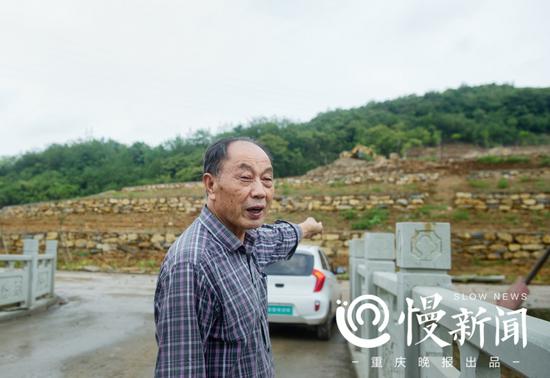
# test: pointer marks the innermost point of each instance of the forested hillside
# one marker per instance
(486, 115)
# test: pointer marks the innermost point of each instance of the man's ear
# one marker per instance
(209, 182)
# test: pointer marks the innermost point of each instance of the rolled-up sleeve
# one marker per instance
(277, 241)
(182, 321)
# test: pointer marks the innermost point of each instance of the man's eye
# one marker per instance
(246, 178)
(268, 179)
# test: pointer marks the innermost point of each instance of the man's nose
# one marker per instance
(258, 189)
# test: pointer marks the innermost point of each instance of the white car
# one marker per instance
(303, 290)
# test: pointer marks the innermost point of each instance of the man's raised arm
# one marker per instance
(279, 241)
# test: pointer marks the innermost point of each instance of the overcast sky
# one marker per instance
(144, 70)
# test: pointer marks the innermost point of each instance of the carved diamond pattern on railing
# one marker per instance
(426, 245)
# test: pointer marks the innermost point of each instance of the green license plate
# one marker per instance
(279, 310)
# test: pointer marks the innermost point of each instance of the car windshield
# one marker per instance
(299, 265)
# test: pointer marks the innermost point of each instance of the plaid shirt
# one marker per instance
(211, 300)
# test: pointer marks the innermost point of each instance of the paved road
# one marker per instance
(106, 330)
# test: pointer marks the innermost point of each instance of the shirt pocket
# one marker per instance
(241, 315)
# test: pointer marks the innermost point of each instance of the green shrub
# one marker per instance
(427, 210)
(512, 218)
(526, 178)
(285, 189)
(370, 218)
(478, 184)
(376, 189)
(512, 159)
(349, 214)
(542, 185)
(502, 183)
(147, 264)
(411, 187)
(337, 183)
(460, 215)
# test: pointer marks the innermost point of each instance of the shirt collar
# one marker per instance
(224, 235)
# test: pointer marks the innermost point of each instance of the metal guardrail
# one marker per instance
(403, 270)
(27, 277)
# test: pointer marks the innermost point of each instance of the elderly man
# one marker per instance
(211, 296)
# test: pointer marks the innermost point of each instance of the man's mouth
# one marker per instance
(255, 212)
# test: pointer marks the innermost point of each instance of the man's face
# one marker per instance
(241, 193)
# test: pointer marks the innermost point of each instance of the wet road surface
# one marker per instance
(298, 353)
(106, 329)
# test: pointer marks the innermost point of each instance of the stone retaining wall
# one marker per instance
(335, 243)
(501, 245)
(192, 205)
(482, 245)
(502, 201)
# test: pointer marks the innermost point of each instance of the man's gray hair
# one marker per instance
(216, 153)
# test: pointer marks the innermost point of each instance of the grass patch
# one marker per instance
(285, 189)
(148, 264)
(540, 217)
(349, 214)
(76, 264)
(524, 179)
(476, 261)
(544, 161)
(478, 184)
(432, 158)
(370, 218)
(503, 183)
(152, 193)
(512, 159)
(460, 215)
(337, 184)
(512, 219)
(427, 210)
(376, 189)
(338, 188)
(343, 276)
(411, 187)
(519, 184)
(542, 185)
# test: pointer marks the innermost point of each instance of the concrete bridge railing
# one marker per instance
(427, 319)
(27, 277)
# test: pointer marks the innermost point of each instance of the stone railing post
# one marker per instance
(356, 257)
(380, 257)
(51, 249)
(423, 252)
(30, 248)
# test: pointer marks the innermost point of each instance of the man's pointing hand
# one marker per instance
(311, 227)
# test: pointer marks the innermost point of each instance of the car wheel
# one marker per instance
(324, 330)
